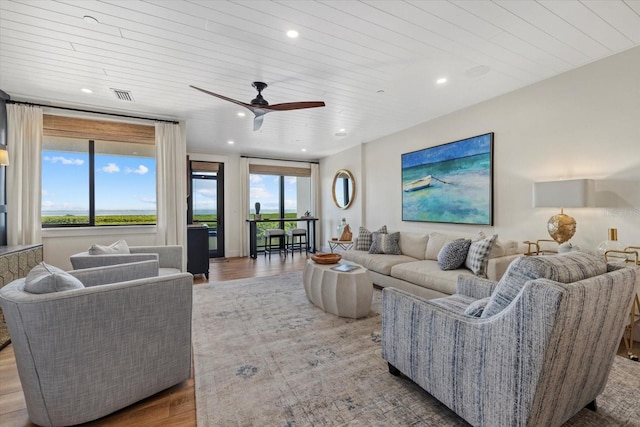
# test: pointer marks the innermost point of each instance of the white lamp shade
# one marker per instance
(572, 193)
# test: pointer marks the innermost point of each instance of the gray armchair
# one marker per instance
(85, 353)
(540, 352)
(169, 258)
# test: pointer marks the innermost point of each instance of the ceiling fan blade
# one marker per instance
(257, 122)
(294, 105)
(223, 97)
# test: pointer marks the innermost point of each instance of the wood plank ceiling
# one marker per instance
(374, 63)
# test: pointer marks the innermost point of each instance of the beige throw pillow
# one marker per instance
(119, 247)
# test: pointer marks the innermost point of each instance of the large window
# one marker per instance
(87, 182)
(285, 195)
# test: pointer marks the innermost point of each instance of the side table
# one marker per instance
(634, 315)
(342, 244)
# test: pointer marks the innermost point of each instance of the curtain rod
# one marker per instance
(9, 101)
(281, 160)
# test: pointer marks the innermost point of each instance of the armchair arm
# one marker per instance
(475, 287)
(84, 260)
(116, 273)
(169, 256)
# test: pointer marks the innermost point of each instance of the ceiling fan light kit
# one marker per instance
(259, 106)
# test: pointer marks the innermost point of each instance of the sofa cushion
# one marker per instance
(376, 262)
(413, 244)
(365, 238)
(564, 268)
(478, 255)
(427, 274)
(119, 247)
(435, 243)
(384, 243)
(44, 279)
(453, 254)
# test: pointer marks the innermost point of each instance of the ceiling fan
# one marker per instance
(259, 106)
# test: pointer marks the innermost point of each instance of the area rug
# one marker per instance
(265, 356)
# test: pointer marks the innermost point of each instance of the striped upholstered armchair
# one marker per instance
(530, 350)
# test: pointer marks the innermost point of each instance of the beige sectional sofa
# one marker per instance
(417, 271)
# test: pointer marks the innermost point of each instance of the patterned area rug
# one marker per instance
(265, 356)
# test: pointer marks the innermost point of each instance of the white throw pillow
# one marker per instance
(43, 279)
(119, 247)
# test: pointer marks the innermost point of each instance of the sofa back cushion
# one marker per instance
(435, 243)
(563, 268)
(413, 244)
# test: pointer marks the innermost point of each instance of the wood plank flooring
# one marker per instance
(174, 407)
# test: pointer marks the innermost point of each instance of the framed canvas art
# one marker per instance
(451, 183)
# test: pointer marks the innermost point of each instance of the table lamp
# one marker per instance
(573, 193)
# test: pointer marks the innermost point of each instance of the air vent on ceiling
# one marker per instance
(123, 95)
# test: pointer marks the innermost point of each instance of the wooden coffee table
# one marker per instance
(345, 294)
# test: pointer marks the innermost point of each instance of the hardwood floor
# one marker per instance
(174, 407)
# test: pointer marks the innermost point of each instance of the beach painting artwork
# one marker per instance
(450, 183)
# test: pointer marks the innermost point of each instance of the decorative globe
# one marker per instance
(561, 227)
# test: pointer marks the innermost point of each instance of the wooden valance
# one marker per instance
(73, 127)
(279, 170)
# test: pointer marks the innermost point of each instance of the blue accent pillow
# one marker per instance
(453, 254)
(477, 307)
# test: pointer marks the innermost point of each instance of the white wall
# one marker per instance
(234, 219)
(582, 124)
(331, 215)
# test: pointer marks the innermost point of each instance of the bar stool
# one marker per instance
(296, 238)
(269, 246)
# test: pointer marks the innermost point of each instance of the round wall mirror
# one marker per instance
(343, 189)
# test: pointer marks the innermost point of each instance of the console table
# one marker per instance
(15, 263)
(253, 231)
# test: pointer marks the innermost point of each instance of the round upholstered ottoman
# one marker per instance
(345, 294)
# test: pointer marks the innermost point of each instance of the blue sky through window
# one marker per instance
(122, 183)
(266, 190)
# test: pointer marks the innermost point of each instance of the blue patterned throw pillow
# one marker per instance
(384, 243)
(478, 255)
(365, 238)
(476, 308)
(453, 254)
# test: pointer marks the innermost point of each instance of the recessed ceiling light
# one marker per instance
(441, 80)
(292, 34)
(85, 90)
(230, 142)
(241, 114)
(304, 149)
(341, 132)
(90, 19)
(477, 71)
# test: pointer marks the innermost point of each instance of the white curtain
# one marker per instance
(24, 144)
(171, 188)
(315, 201)
(244, 197)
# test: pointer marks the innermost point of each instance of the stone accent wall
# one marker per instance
(15, 262)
